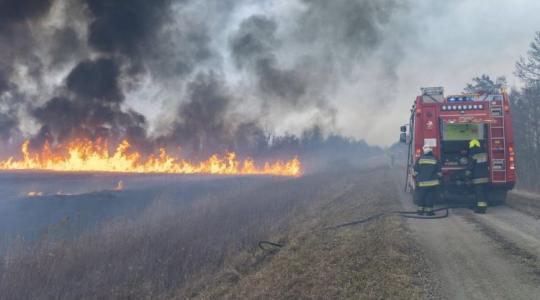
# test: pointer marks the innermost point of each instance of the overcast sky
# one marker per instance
(456, 41)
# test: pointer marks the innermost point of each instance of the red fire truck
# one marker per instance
(448, 124)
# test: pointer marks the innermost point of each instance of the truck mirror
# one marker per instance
(403, 138)
(403, 128)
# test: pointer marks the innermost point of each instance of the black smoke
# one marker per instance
(91, 110)
(8, 126)
(350, 28)
(202, 125)
(63, 119)
(66, 46)
(195, 52)
(92, 103)
(4, 84)
(16, 42)
(253, 47)
(12, 11)
(141, 35)
(301, 66)
(123, 27)
(96, 80)
(17, 19)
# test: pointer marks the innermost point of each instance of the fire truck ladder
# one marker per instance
(497, 143)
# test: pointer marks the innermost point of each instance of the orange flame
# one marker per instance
(34, 194)
(83, 155)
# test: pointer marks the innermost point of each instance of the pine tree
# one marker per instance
(484, 84)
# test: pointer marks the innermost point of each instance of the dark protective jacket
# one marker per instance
(427, 170)
(478, 165)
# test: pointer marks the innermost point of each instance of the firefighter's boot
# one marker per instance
(429, 211)
(481, 207)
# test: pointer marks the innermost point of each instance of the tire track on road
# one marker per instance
(465, 261)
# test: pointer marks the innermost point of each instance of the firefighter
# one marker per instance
(478, 168)
(427, 172)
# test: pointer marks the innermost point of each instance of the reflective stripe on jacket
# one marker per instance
(479, 165)
(428, 183)
(480, 180)
(427, 170)
(427, 161)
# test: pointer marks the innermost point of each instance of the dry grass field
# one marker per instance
(207, 249)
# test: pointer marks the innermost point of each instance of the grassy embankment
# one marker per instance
(208, 250)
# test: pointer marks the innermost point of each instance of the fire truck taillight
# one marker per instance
(512, 158)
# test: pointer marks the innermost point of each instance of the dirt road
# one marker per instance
(470, 256)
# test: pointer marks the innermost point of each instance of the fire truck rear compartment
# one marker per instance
(455, 140)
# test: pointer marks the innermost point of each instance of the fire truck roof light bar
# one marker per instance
(473, 98)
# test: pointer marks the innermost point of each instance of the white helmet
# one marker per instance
(427, 149)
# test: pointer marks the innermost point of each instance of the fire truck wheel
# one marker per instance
(496, 197)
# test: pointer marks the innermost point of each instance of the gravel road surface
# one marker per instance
(471, 256)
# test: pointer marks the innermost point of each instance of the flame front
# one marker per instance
(34, 194)
(84, 155)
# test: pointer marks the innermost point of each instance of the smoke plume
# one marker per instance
(205, 75)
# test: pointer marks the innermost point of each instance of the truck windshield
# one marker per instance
(455, 142)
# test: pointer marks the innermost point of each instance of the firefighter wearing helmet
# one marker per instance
(479, 172)
(427, 174)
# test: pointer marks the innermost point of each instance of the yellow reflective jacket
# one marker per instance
(427, 170)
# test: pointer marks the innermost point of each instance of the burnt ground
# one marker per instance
(196, 238)
(88, 200)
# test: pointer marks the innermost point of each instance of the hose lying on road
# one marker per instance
(404, 214)
(261, 243)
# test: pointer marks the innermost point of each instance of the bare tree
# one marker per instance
(526, 115)
(526, 109)
(528, 68)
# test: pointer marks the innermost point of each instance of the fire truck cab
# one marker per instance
(448, 123)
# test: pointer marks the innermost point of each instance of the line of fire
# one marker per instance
(84, 155)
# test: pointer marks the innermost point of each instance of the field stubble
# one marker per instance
(208, 249)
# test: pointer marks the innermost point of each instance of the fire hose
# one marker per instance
(403, 214)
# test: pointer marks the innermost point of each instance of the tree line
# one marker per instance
(525, 104)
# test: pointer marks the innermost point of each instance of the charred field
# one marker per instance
(32, 202)
(171, 236)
